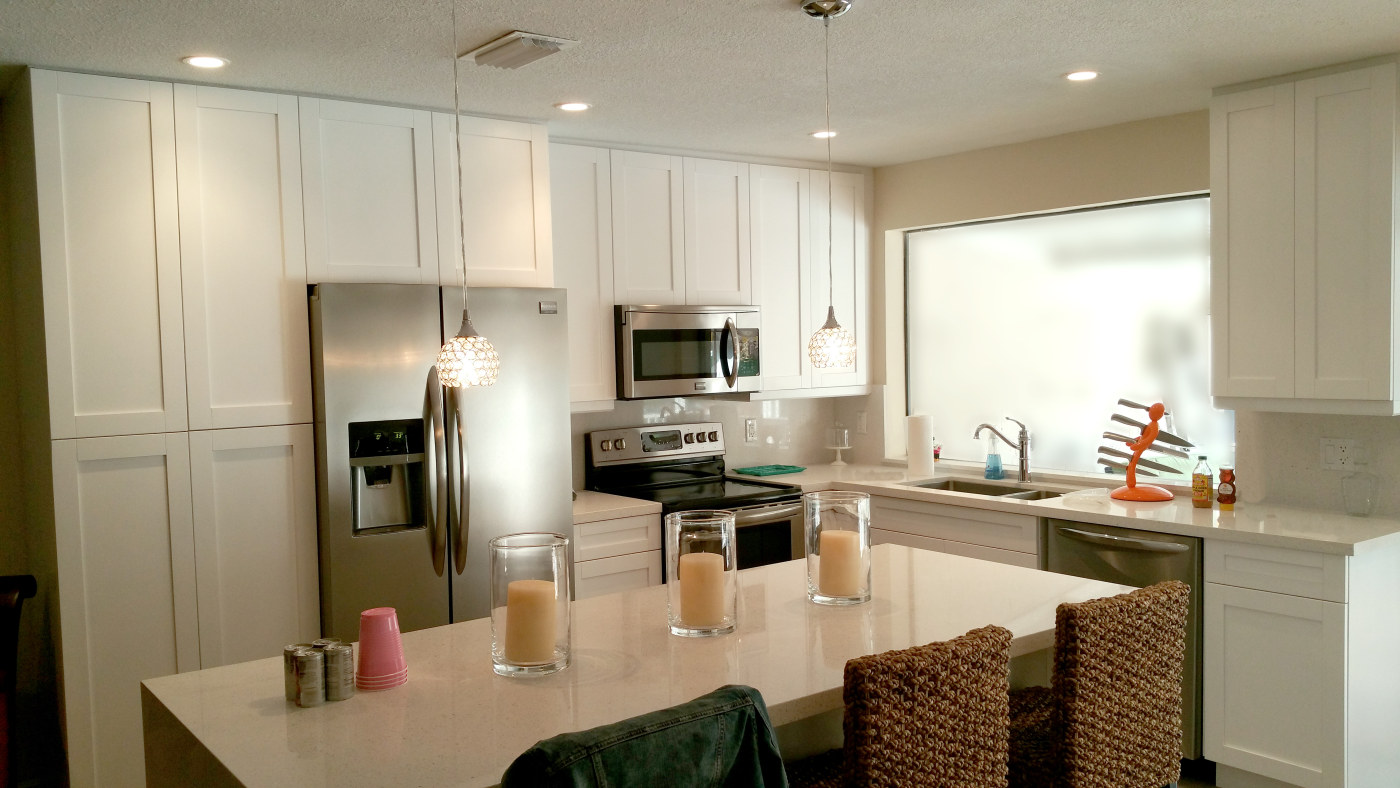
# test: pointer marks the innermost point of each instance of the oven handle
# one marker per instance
(763, 514)
(730, 364)
(1125, 542)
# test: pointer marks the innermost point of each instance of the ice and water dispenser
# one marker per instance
(386, 466)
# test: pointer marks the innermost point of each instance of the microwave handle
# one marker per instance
(730, 363)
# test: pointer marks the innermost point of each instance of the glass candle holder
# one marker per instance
(529, 603)
(837, 528)
(702, 573)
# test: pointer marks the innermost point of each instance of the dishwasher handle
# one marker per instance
(1123, 542)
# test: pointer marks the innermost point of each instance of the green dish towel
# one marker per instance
(769, 470)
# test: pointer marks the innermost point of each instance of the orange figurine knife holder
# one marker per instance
(1132, 491)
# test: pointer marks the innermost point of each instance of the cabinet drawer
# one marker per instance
(1018, 532)
(1295, 572)
(607, 538)
(1012, 557)
(619, 573)
(882, 536)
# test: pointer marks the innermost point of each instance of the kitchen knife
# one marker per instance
(1162, 435)
(1122, 467)
(1130, 404)
(1142, 463)
(1113, 436)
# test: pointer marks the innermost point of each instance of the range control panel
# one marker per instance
(662, 441)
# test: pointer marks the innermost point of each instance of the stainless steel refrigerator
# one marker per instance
(414, 479)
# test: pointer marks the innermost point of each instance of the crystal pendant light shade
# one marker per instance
(468, 359)
(832, 347)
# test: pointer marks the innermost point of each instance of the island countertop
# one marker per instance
(457, 723)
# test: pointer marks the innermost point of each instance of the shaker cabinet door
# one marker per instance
(367, 181)
(782, 273)
(581, 185)
(243, 258)
(648, 228)
(717, 252)
(842, 238)
(126, 567)
(110, 254)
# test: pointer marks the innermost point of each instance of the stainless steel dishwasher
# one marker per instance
(1139, 558)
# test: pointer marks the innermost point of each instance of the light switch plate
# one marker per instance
(750, 430)
(1340, 454)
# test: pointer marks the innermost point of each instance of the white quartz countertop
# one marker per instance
(456, 723)
(590, 507)
(1266, 524)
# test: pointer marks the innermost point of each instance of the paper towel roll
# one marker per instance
(920, 443)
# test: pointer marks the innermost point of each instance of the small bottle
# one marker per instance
(1202, 482)
(937, 449)
(1226, 497)
(993, 470)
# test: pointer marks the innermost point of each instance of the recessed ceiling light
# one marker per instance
(821, 135)
(205, 61)
(573, 106)
(1081, 76)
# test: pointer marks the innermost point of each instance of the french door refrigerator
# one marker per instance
(413, 479)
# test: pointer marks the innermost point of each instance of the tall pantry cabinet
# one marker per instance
(160, 296)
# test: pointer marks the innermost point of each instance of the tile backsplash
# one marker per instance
(790, 431)
(1278, 458)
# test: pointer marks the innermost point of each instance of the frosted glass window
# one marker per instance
(1051, 319)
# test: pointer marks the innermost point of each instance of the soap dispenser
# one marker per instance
(993, 470)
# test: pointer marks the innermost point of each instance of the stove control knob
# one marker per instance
(714, 436)
(699, 437)
(619, 444)
(690, 437)
(605, 445)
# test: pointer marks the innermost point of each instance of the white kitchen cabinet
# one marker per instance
(504, 203)
(962, 530)
(126, 568)
(242, 258)
(109, 250)
(618, 573)
(648, 228)
(718, 267)
(846, 285)
(617, 554)
(369, 193)
(254, 499)
(1303, 182)
(581, 193)
(780, 228)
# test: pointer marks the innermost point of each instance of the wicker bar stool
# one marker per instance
(934, 716)
(1112, 717)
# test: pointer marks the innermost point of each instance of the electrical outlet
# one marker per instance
(750, 430)
(862, 423)
(1340, 454)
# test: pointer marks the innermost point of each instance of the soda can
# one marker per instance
(289, 668)
(323, 643)
(340, 671)
(311, 678)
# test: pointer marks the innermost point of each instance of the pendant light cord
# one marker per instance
(457, 136)
(830, 275)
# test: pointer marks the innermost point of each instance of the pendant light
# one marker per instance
(831, 347)
(467, 359)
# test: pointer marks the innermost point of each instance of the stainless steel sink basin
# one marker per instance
(990, 489)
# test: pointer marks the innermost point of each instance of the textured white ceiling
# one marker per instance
(912, 78)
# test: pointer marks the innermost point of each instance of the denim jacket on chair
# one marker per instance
(723, 738)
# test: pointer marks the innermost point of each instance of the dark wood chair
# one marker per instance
(933, 716)
(14, 589)
(1112, 715)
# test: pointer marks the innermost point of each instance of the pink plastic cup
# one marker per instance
(381, 647)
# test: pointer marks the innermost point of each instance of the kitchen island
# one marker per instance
(457, 723)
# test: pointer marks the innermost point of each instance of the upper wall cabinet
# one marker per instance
(367, 179)
(242, 258)
(109, 248)
(845, 283)
(717, 267)
(1303, 250)
(504, 201)
(580, 182)
(779, 207)
(648, 228)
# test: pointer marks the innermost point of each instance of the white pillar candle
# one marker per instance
(839, 554)
(530, 606)
(702, 589)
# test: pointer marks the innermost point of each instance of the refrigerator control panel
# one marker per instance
(643, 444)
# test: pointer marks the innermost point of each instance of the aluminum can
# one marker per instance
(324, 643)
(340, 671)
(289, 668)
(311, 678)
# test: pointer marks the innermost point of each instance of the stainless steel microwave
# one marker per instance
(679, 351)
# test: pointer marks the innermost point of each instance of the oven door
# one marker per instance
(769, 534)
(686, 351)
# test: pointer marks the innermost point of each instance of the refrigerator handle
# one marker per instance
(435, 440)
(464, 497)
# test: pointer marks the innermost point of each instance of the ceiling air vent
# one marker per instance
(517, 49)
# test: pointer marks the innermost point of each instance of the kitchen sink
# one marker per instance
(989, 489)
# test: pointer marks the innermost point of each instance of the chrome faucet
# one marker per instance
(1022, 445)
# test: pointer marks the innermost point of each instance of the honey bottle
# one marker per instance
(1226, 498)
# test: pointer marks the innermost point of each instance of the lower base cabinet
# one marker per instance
(617, 554)
(619, 573)
(976, 533)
